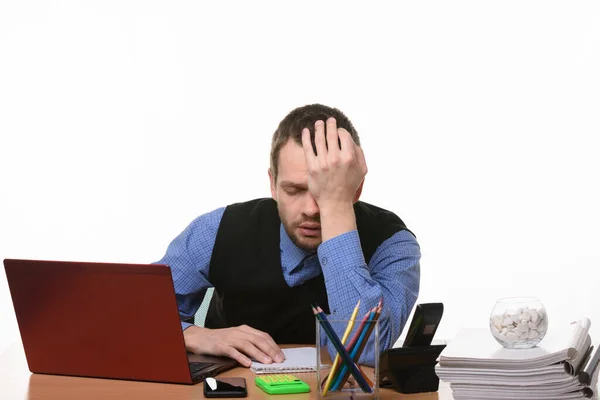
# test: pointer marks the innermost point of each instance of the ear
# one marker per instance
(358, 192)
(272, 180)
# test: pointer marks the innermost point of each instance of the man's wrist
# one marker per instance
(336, 219)
(189, 335)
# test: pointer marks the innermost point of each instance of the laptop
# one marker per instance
(104, 320)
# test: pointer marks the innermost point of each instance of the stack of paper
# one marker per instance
(563, 366)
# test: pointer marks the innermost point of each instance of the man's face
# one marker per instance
(298, 210)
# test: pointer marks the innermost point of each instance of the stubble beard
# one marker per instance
(308, 244)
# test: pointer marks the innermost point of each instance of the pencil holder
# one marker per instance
(335, 379)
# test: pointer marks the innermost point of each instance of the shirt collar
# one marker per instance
(291, 255)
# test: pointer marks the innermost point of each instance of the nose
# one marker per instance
(311, 209)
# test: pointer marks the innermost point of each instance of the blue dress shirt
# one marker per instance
(392, 273)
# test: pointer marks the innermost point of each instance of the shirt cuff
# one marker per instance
(185, 325)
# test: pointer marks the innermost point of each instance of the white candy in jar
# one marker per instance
(519, 326)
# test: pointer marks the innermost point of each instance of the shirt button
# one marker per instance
(324, 261)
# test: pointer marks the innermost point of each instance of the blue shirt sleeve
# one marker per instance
(393, 273)
(189, 255)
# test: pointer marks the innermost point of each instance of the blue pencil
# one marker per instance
(358, 347)
(341, 349)
(354, 350)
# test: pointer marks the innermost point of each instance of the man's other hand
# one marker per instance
(239, 343)
(334, 174)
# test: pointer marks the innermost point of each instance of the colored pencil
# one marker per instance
(336, 362)
(358, 348)
(350, 345)
(354, 339)
(335, 340)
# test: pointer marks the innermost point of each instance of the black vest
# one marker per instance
(245, 269)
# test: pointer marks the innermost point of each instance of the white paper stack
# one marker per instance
(563, 366)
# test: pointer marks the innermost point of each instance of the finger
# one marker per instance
(309, 152)
(242, 342)
(231, 352)
(348, 151)
(249, 348)
(320, 139)
(267, 345)
(264, 342)
(333, 147)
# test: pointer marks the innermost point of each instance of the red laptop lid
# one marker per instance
(99, 320)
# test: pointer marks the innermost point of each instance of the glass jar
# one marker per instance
(518, 322)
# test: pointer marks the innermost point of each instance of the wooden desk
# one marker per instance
(16, 382)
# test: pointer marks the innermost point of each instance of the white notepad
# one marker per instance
(300, 359)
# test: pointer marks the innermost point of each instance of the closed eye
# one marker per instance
(292, 188)
(294, 191)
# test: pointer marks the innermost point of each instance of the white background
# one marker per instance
(122, 121)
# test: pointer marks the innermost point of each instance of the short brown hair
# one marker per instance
(305, 117)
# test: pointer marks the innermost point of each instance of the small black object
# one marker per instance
(424, 324)
(225, 387)
(410, 369)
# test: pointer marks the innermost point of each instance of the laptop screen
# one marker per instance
(104, 320)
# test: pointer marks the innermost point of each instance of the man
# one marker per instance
(269, 259)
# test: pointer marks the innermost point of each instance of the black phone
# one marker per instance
(225, 387)
(425, 322)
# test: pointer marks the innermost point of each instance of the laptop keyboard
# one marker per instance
(200, 370)
(196, 367)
